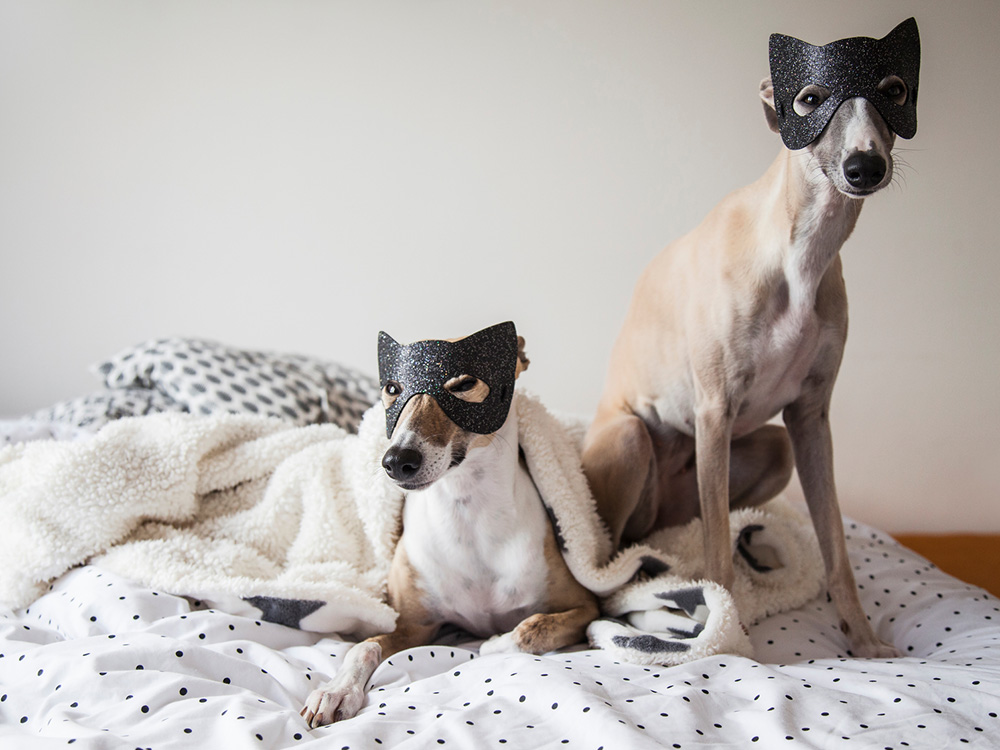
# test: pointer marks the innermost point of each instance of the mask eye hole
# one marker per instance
(390, 392)
(893, 88)
(809, 98)
(468, 388)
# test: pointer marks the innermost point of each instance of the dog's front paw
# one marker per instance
(500, 644)
(332, 703)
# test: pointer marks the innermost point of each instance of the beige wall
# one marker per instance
(296, 176)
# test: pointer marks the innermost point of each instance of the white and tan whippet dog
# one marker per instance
(742, 319)
(477, 549)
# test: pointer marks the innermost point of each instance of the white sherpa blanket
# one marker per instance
(297, 525)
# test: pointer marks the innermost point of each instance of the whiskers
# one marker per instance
(376, 473)
(901, 168)
(497, 441)
(815, 170)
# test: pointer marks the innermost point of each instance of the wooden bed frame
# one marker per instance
(975, 558)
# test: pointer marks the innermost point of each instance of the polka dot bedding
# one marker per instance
(99, 662)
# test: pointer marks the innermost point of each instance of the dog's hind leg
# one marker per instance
(760, 466)
(541, 633)
(620, 465)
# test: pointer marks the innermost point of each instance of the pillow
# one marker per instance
(80, 417)
(205, 377)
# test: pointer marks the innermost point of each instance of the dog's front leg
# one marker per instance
(342, 697)
(713, 435)
(809, 428)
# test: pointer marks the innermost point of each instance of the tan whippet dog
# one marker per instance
(743, 318)
(477, 550)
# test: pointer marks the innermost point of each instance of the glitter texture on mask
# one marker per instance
(425, 366)
(848, 68)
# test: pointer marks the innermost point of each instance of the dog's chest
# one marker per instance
(478, 555)
(780, 355)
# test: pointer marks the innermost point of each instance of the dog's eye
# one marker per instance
(465, 383)
(468, 388)
(892, 87)
(809, 98)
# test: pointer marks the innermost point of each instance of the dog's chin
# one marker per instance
(413, 486)
(419, 485)
(858, 194)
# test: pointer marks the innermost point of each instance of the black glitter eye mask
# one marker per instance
(425, 366)
(848, 68)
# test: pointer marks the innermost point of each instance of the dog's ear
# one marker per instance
(522, 359)
(767, 96)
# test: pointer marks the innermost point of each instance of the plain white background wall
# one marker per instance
(296, 176)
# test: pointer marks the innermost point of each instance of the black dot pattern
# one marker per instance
(205, 377)
(99, 661)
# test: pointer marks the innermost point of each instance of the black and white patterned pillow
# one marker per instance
(105, 406)
(205, 377)
(83, 416)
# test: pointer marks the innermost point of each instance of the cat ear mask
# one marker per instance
(425, 366)
(847, 68)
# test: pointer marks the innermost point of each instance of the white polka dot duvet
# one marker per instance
(100, 662)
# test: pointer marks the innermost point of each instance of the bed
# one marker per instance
(98, 660)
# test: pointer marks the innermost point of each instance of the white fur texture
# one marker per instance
(223, 508)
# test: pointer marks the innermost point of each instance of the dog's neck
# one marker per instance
(487, 476)
(473, 538)
(808, 221)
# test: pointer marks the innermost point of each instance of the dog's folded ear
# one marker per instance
(767, 96)
(522, 359)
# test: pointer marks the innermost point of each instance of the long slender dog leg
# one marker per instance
(342, 697)
(713, 432)
(812, 443)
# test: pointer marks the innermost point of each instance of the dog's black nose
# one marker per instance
(864, 170)
(402, 464)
